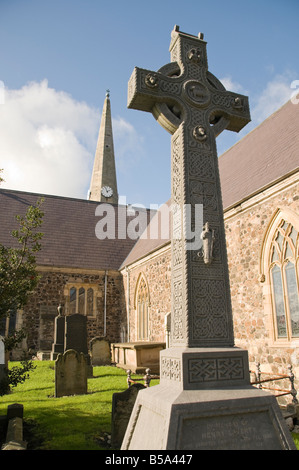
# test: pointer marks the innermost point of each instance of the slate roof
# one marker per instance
(262, 157)
(69, 231)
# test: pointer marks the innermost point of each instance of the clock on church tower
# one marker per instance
(107, 191)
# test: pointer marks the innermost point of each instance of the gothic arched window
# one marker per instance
(283, 275)
(142, 305)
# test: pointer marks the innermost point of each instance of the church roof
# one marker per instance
(69, 239)
(263, 157)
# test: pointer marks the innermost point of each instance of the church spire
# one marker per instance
(103, 185)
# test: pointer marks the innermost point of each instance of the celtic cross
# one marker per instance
(193, 105)
(204, 399)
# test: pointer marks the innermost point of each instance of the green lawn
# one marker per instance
(67, 423)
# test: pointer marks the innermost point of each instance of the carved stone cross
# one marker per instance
(193, 105)
(204, 399)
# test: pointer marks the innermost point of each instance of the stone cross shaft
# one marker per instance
(193, 105)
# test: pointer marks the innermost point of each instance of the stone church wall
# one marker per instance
(39, 314)
(253, 322)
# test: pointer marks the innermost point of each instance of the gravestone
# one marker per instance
(100, 351)
(204, 399)
(76, 333)
(122, 406)
(70, 374)
(76, 337)
(59, 335)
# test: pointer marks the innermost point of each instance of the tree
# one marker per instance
(18, 276)
(18, 279)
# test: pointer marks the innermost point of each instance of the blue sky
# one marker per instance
(59, 57)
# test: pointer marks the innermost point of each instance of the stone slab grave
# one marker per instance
(100, 351)
(138, 356)
(204, 399)
(70, 374)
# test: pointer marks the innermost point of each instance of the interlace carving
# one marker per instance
(212, 369)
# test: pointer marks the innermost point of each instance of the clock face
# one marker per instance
(107, 191)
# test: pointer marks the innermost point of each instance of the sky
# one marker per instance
(58, 58)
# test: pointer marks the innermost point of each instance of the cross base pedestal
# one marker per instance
(210, 407)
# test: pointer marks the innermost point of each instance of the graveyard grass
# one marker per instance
(71, 422)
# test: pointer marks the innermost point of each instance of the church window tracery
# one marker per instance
(81, 299)
(283, 270)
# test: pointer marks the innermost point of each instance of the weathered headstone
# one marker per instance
(70, 374)
(76, 333)
(122, 406)
(204, 399)
(100, 351)
(59, 335)
(76, 337)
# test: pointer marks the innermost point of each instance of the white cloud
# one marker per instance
(276, 93)
(230, 85)
(48, 140)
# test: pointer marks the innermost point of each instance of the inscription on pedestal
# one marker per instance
(230, 432)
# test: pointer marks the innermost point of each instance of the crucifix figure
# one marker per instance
(202, 401)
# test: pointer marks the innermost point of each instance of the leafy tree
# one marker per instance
(18, 279)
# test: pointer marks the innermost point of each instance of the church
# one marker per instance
(122, 283)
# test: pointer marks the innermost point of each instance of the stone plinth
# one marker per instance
(211, 419)
(205, 402)
(137, 356)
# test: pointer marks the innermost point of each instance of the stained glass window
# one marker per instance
(279, 302)
(292, 298)
(284, 280)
